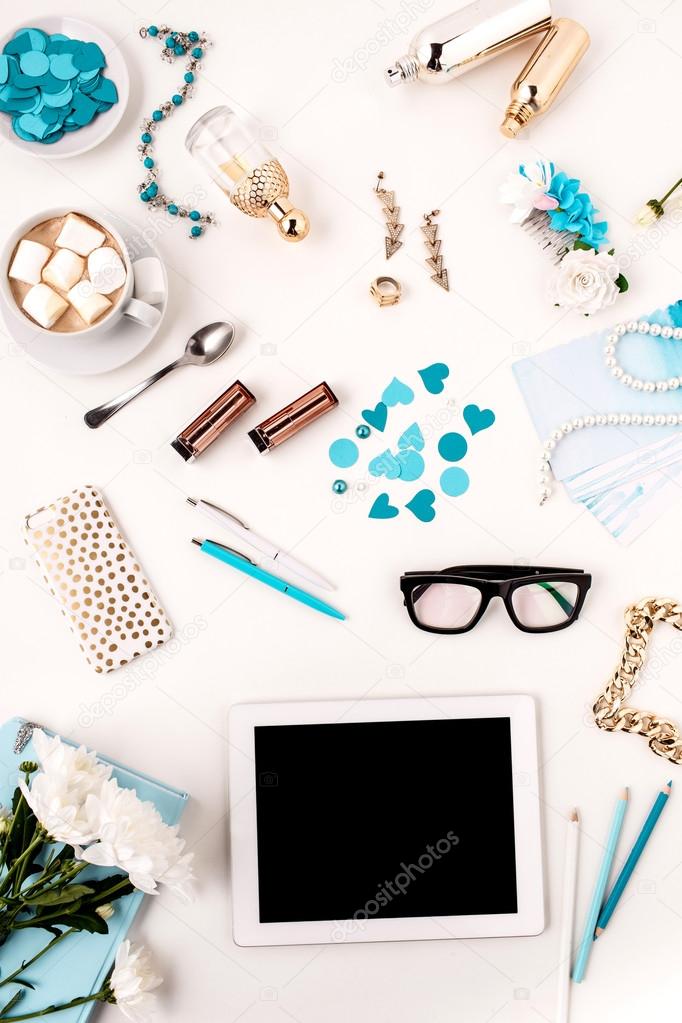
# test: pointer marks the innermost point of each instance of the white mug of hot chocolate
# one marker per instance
(106, 264)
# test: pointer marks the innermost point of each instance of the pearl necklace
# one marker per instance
(175, 44)
(616, 418)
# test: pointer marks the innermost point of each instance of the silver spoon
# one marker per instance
(203, 348)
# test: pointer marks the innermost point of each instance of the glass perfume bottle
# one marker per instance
(467, 37)
(546, 72)
(229, 148)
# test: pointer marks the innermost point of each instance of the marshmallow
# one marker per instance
(28, 262)
(64, 269)
(78, 235)
(106, 270)
(87, 302)
(44, 305)
(150, 286)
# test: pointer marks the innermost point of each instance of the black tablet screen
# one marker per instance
(385, 819)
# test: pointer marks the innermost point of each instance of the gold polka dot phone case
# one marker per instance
(96, 579)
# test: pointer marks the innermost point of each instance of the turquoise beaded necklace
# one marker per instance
(175, 44)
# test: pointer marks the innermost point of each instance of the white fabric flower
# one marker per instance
(5, 818)
(585, 281)
(526, 190)
(132, 981)
(59, 791)
(132, 836)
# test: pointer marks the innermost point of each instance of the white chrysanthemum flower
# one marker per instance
(59, 791)
(585, 281)
(5, 818)
(132, 836)
(132, 981)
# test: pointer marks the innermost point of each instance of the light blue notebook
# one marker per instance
(78, 965)
(571, 380)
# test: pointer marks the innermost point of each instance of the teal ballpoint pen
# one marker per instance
(243, 564)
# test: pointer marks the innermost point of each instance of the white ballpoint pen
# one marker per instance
(270, 550)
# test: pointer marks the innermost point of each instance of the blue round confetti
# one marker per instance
(452, 447)
(34, 63)
(454, 481)
(343, 453)
(63, 67)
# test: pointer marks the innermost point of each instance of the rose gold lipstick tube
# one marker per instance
(210, 423)
(293, 417)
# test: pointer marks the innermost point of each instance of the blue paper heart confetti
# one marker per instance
(382, 508)
(377, 416)
(412, 437)
(478, 419)
(51, 84)
(397, 393)
(433, 377)
(421, 505)
(385, 464)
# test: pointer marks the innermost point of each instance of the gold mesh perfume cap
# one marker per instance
(266, 191)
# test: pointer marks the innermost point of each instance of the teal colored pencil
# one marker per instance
(600, 887)
(631, 861)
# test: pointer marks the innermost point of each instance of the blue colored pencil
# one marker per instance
(631, 861)
(600, 887)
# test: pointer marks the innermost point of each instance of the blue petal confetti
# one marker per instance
(51, 84)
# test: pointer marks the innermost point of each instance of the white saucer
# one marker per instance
(73, 143)
(100, 353)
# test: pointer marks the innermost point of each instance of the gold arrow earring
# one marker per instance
(391, 212)
(435, 260)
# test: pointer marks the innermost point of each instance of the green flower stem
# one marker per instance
(103, 995)
(670, 191)
(8, 834)
(24, 966)
(21, 861)
(114, 888)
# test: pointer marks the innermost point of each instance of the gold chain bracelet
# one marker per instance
(611, 711)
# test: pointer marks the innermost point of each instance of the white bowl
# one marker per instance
(73, 143)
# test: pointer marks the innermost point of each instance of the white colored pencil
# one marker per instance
(568, 916)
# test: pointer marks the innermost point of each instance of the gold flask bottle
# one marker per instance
(544, 76)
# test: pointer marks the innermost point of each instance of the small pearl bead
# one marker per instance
(557, 435)
(612, 419)
(631, 326)
(648, 386)
(617, 372)
(601, 420)
(677, 334)
(543, 479)
(619, 329)
(610, 362)
(610, 350)
(549, 446)
(590, 420)
(624, 419)
(566, 427)
(671, 420)
(578, 423)
(612, 339)
(660, 420)
(637, 385)
(636, 419)
(661, 385)
(642, 327)
(545, 492)
(655, 329)
(666, 332)
(647, 420)
(673, 383)
(626, 379)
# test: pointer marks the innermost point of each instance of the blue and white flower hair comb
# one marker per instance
(550, 206)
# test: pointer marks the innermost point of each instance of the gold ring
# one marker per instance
(385, 290)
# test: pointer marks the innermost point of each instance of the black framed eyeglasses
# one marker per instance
(453, 600)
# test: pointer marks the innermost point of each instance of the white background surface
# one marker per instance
(303, 314)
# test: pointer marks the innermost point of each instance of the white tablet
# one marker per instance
(385, 820)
